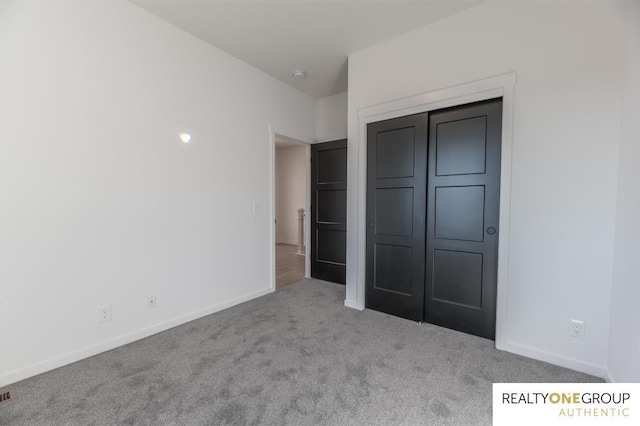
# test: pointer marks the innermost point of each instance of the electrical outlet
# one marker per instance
(104, 313)
(256, 207)
(576, 328)
(151, 301)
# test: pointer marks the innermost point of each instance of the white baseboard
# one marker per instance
(86, 352)
(353, 305)
(560, 360)
(608, 376)
(290, 242)
(80, 354)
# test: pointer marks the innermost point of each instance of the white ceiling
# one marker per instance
(279, 37)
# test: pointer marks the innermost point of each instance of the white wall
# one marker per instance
(565, 154)
(291, 184)
(100, 202)
(624, 346)
(331, 118)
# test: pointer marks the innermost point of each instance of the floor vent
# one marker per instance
(6, 396)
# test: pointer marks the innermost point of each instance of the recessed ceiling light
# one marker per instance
(185, 137)
(298, 75)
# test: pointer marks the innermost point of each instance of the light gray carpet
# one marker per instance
(295, 357)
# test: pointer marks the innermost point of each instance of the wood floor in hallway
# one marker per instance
(289, 265)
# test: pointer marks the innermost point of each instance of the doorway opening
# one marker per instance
(290, 209)
(479, 90)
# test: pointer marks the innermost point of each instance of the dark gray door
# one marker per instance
(462, 217)
(396, 191)
(329, 211)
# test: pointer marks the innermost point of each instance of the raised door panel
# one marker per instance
(462, 217)
(396, 190)
(329, 211)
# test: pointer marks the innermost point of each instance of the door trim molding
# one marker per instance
(305, 140)
(475, 91)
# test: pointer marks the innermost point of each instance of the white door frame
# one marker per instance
(493, 87)
(276, 131)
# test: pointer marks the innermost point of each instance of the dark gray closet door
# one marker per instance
(396, 190)
(329, 211)
(462, 220)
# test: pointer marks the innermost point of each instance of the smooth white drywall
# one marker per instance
(624, 343)
(331, 117)
(564, 162)
(291, 183)
(100, 201)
